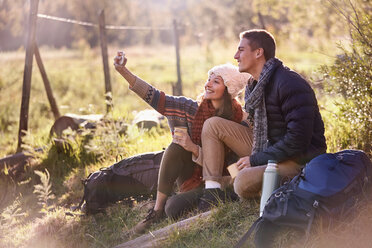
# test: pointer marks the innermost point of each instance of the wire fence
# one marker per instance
(32, 50)
(89, 24)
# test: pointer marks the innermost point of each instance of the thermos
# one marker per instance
(270, 183)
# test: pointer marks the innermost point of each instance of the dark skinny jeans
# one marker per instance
(177, 166)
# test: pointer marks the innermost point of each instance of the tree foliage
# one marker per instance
(201, 21)
(350, 78)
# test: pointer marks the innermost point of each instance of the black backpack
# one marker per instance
(131, 177)
(328, 187)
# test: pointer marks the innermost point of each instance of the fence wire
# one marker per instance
(89, 24)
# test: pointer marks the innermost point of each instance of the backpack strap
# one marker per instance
(84, 181)
(78, 207)
(312, 216)
(246, 236)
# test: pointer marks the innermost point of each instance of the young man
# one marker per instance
(284, 115)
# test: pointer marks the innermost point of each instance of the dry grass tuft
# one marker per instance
(354, 231)
(55, 226)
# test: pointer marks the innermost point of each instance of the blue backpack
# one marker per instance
(328, 186)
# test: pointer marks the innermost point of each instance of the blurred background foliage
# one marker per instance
(334, 36)
(297, 21)
(349, 81)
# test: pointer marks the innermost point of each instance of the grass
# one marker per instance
(77, 81)
(221, 229)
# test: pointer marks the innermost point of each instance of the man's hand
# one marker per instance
(243, 162)
(184, 140)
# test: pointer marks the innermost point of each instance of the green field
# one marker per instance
(77, 81)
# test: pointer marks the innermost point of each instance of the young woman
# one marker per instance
(182, 160)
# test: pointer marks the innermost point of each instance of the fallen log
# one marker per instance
(7, 189)
(154, 239)
(13, 160)
(74, 122)
(15, 163)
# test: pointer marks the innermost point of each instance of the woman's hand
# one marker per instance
(120, 62)
(184, 140)
(243, 162)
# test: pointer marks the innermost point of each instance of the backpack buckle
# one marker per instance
(366, 179)
(278, 194)
(340, 157)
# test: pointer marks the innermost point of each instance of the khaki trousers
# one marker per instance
(218, 132)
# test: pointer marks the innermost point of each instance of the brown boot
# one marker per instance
(152, 217)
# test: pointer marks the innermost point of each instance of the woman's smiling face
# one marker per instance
(214, 88)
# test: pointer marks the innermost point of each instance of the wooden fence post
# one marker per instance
(48, 89)
(27, 73)
(178, 87)
(103, 41)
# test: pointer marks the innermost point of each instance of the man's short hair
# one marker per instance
(260, 38)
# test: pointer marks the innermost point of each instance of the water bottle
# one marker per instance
(270, 183)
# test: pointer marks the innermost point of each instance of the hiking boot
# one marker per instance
(211, 198)
(152, 217)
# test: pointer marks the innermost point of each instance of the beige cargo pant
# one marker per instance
(218, 132)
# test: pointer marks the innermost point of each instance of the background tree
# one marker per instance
(350, 78)
(12, 23)
(291, 21)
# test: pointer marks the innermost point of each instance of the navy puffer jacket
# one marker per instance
(295, 126)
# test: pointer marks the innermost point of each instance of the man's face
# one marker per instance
(245, 56)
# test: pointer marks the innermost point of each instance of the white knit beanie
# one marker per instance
(234, 80)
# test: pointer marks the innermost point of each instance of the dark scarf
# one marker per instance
(205, 111)
(255, 105)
